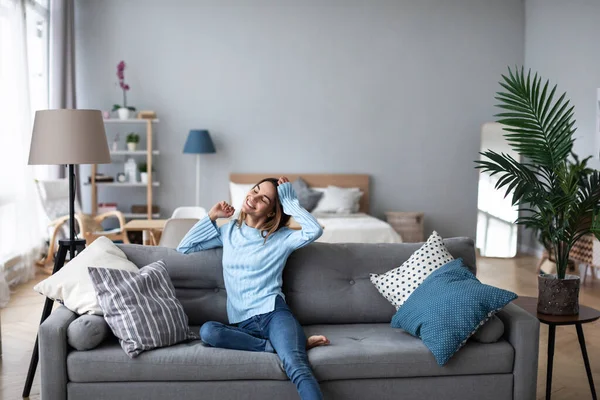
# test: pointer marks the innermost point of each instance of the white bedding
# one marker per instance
(356, 228)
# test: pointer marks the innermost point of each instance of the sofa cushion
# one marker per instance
(87, 332)
(72, 286)
(141, 308)
(363, 351)
(490, 332)
(448, 307)
(398, 284)
(356, 351)
(190, 361)
(324, 283)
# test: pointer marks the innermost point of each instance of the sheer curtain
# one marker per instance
(22, 229)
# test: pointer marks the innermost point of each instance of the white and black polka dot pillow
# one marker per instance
(398, 284)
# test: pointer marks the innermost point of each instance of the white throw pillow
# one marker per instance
(238, 192)
(398, 284)
(72, 285)
(338, 200)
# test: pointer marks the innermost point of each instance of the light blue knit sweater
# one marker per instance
(252, 269)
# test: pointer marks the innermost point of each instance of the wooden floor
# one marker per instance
(569, 381)
(21, 317)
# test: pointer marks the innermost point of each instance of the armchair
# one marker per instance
(54, 197)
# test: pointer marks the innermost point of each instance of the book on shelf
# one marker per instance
(106, 207)
(101, 178)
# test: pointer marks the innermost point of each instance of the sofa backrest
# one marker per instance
(324, 283)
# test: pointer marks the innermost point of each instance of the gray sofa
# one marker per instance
(328, 288)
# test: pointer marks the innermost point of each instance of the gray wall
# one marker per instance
(395, 89)
(561, 43)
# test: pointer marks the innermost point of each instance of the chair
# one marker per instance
(54, 196)
(189, 212)
(175, 230)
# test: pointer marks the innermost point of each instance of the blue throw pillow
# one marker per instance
(448, 308)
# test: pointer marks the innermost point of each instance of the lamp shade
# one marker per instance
(68, 137)
(199, 142)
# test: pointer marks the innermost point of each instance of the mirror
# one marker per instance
(496, 231)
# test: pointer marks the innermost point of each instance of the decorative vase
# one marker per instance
(123, 113)
(144, 177)
(558, 296)
(131, 169)
(131, 146)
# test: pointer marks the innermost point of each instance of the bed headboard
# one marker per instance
(360, 181)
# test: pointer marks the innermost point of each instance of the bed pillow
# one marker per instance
(238, 192)
(397, 284)
(339, 200)
(307, 197)
(449, 307)
(141, 309)
(72, 285)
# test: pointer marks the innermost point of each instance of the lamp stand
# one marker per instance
(71, 245)
(197, 180)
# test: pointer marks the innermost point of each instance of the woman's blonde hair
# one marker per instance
(274, 222)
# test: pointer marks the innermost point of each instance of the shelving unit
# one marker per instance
(149, 152)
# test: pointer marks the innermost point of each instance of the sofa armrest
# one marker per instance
(522, 331)
(53, 353)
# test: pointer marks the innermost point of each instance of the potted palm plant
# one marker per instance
(558, 192)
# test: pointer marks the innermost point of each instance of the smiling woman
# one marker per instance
(262, 207)
(255, 250)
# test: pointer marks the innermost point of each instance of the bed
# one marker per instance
(357, 227)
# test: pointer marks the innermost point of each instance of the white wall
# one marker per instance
(395, 89)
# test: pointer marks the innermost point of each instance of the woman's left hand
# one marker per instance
(282, 180)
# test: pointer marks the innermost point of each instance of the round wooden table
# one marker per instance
(586, 314)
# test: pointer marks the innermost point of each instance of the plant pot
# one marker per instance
(123, 113)
(144, 177)
(558, 296)
(131, 146)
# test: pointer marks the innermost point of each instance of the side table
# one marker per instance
(586, 314)
(409, 225)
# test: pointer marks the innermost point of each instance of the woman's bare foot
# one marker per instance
(316, 340)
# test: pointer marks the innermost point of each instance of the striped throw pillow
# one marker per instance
(141, 308)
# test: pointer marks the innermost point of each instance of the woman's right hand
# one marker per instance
(221, 210)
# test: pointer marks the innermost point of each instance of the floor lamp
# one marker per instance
(65, 137)
(198, 142)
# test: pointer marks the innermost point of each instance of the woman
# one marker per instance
(255, 249)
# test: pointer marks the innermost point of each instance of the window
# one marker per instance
(36, 16)
(24, 89)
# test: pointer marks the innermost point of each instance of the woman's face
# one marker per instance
(260, 200)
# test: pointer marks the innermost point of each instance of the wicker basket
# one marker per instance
(409, 225)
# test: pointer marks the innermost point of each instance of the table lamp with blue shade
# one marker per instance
(198, 142)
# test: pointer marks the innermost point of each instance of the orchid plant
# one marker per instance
(124, 87)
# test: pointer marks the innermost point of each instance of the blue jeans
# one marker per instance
(277, 331)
